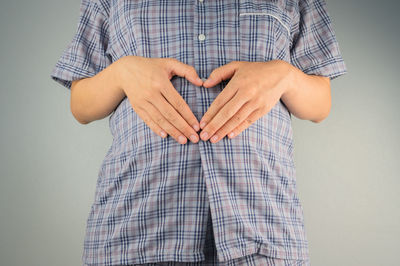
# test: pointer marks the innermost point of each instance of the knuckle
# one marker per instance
(187, 130)
(232, 112)
(225, 115)
(146, 120)
(172, 118)
(262, 110)
(177, 135)
(153, 128)
(159, 120)
(157, 60)
(252, 90)
(237, 118)
(179, 105)
(249, 121)
(175, 61)
(168, 114)
(148, 95)
(162, 89)
(234, 62)
(257, 101)
(211, 127)
(221, 131)
(171, 131)
(156, 84)
(237, 132)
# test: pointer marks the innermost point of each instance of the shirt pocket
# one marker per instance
(264, 31)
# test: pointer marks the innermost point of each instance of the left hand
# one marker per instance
(254, 88)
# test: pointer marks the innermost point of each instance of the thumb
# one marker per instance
(186, 71)
(221, 73)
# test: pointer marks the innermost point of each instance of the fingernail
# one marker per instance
(163, 134)
(182, 139)
(193, 138)
(196, 127)
(202, 124)
(231, 134)
(199, 80)
(204, 135)
(214, 138)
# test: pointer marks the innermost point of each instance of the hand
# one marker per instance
(254, 88)
(146, 83)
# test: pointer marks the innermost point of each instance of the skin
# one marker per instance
(146, 83)
(254, 88)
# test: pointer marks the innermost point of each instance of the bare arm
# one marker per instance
(96, 97)
(254, 89)
(307, 96)
(146, 82)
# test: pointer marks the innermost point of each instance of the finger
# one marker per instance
(244, 124)
(235, 121)
(151, 124)
(226, 113)
(181, 69)
(225, 96)
(180, 105)
(221, 73)
(162, 122)
(169, 112)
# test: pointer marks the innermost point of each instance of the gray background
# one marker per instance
(347, 166)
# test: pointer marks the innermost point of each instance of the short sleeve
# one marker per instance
(314, 48)
(86, 54)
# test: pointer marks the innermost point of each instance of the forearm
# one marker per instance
(96, 97)
(307, 96)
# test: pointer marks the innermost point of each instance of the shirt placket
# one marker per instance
(200, 47)
(201, 65)
(204, 51)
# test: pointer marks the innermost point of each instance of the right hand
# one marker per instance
(146, 83)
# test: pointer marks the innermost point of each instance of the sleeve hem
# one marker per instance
(66, 72)
(332, 68)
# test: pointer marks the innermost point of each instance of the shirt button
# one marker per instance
(202, 37)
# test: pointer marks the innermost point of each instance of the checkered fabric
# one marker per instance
(211, 258)
(154, 196)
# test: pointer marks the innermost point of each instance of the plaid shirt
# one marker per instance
(153, 195)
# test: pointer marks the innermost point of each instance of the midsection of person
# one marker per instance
(153, 194)
(262, 156)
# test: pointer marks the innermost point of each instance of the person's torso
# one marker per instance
(151, 189)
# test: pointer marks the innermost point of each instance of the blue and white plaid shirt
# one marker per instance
(153, 195)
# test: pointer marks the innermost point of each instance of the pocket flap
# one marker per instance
(266, 8)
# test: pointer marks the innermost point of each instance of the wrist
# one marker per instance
(119, 74)
(289, 77)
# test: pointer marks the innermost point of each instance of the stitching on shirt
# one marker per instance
(263, 13)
